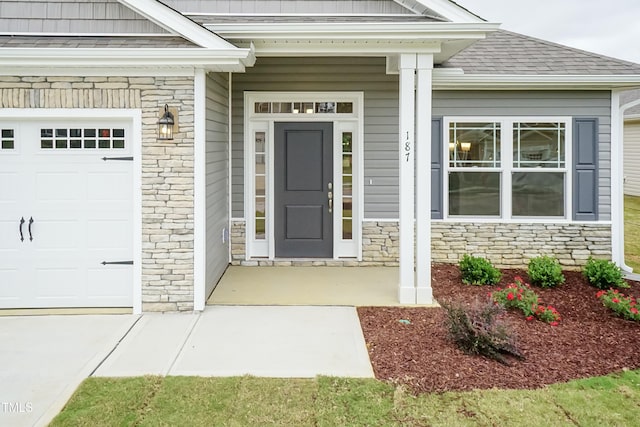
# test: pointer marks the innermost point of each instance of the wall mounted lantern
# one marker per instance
(165, 125)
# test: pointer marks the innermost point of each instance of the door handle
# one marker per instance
(20, 228)
(330, 196)
(30, 235)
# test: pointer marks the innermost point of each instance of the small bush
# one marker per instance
(622, 305)
(479, 330)
(545, 272)
(478, 271)
(603, 274)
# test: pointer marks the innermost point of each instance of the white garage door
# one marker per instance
(66, 209)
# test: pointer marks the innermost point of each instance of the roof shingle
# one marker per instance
(505, 52)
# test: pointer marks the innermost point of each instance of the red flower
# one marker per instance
(615, 300)
(530, 318)
(554, 323)
(510, 296)
(519, 297)
(599, 294)
(518, 279)
(634, 310)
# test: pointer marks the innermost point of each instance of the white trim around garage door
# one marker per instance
(134, 117)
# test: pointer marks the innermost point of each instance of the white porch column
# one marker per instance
(424, 294)
(406, 288)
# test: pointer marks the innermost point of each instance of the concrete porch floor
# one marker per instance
(335, 286)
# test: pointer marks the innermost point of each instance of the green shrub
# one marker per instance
(478, 271)
(545, 271)
(479, 330)
(603, 274)
(517, 295)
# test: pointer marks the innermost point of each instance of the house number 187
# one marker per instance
(407, 147)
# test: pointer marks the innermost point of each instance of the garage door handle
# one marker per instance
(30, 235)
(21, 236)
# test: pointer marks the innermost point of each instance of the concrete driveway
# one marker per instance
(45, 358)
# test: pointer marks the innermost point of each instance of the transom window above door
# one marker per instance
(304, 107)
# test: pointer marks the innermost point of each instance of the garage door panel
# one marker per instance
(56, 282)
(59, 187)
(57, 235)
(109, 282)
(107, 187)
(108, 234)
(10, 287)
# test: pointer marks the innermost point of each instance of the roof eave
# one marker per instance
(455, 79)
(235, 59)
(354, 31)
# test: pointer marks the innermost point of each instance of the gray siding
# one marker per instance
(288, 6)
(320, 74)
(632, 158)
(72, 16)
(381, 117)
(588, 104)
(217, 178)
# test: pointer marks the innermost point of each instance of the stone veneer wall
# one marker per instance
(167, 168)
(505, 245)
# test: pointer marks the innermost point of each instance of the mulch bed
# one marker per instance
(589, 341)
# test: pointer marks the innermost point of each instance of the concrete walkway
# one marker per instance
(45, 358)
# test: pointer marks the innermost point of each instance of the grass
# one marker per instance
(324, 401)
(632, 232)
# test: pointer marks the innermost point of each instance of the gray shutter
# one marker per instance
(436, 168)
(585, 169)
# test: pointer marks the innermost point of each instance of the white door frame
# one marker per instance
(133, 116)
(264, 123)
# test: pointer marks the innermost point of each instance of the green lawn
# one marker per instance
(324, 401)
(632, 232)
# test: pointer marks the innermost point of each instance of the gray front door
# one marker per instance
(303, 179)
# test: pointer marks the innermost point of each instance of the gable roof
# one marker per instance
(505, 52)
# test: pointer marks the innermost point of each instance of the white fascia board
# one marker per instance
(455, 79)
(343, 48)
(176, 23)
(115, 58)
(355, 31)
(448, 9)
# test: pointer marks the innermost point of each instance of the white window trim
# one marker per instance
(343, 122)
(507, 168)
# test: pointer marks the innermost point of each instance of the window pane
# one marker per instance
(347, 142)
(474, 145)
(345, 107)
(260, 137)
(90, 143)
(347, 164)
(118, 143)
(260, 187)
(538, 145)
(89, 133)
(325, 107)
(263, 107)
(7, 145)
(76, 143)
(61, 143)
(474, 193)
(104, 143)
(538, 194)
(260, 234)
(282, 107)
(7, 133)
(46, 143)
(347, 229)
(118, 133)
(75, 133)
(61, 133)
(46, 133)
